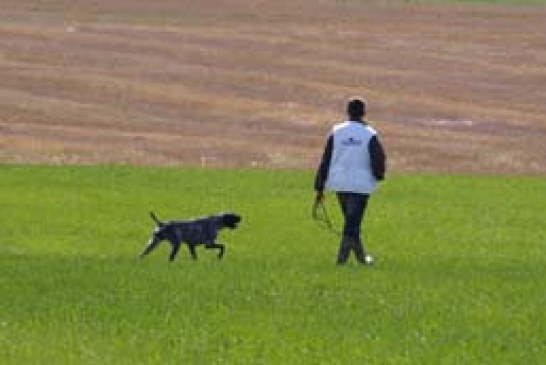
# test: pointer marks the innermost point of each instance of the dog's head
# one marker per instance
(230, 220)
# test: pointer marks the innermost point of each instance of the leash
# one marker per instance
(321, 216)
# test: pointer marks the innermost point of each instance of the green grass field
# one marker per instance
(459, 276)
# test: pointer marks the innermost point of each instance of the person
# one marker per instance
(352, 164)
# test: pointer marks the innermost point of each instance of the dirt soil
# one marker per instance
(255, 83)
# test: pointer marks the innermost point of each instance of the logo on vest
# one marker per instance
(351, 141)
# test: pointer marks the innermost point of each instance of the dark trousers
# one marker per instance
(353, 207)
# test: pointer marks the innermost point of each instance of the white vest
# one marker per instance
(350, 165)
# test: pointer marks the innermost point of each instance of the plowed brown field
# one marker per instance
(249, 83)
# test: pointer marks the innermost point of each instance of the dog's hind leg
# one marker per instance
(218, 246)
(150, 247)
(174, 251)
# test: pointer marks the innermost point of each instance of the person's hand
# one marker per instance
(319, 197)
(318, 200)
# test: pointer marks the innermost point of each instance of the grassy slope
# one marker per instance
(168, 82)
(499, 2)
(459, 276)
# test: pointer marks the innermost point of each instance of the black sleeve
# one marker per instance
(377, 156)
(322, 171)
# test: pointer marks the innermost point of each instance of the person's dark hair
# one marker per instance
(356, 108)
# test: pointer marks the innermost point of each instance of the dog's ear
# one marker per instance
(157, 221)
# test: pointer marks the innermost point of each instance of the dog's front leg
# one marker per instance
(193, 254)
(218, 246)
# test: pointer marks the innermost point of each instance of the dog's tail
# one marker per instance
(157, 221)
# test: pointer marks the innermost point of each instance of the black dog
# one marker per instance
(191, 232)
